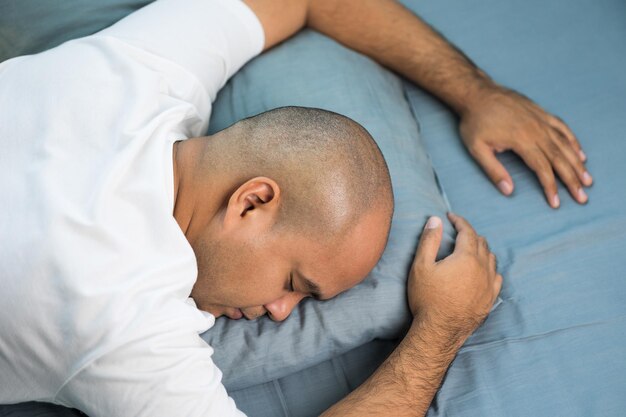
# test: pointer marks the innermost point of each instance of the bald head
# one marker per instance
(278, 204)
(328, 167)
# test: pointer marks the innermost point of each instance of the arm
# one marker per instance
(385, 31)
(405, 384)
(449, 299)
(493, 118)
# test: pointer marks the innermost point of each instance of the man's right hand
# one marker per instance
(449, 299)
(456, 293)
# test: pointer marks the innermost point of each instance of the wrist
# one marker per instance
(477, 92)
(442, 333)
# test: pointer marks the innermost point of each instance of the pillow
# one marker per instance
(314, 71)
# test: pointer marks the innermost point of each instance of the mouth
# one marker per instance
(234, 313)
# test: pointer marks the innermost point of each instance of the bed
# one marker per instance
(554, 343)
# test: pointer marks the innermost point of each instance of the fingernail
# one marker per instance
(505, 187)
(582, 155)
(433, 223)
(582, 197)
(555, 201)
(587, 178)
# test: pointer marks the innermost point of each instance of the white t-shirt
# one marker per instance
(95, 273)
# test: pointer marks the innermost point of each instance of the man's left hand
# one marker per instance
(501, 119)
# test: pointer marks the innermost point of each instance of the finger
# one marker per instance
(493, 262)
(483, 245)
(538, 162)
(429, 241)
(466, 238)
(568, 151)
(566, 172)
(483, 251)
(493, 168)
(560, 125)
(497, 286)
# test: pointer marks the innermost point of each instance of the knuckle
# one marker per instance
(553, 148)
(560, 123)
(573, 181)
(558, 161)
(548, 181)
(493, 264)
(419, 267)
(538, 162)
(481, 265)
(545, 173)
(545, 168)
(469, 228)
(468, 231)
(569, 175)
(472, 262)
(554, 118)
(572, 159)
(473, 150)
(566, 171)
(579, 166)
(523, 148)
(561, 138)
(498, 281)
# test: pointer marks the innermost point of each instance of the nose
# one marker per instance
(280, 309)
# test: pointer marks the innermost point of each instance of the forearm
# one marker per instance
(392, 35)
(405, 384)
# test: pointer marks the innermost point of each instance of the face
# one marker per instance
(247, 270)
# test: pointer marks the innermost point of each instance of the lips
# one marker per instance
(234, 314)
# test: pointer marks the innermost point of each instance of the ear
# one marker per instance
(257, 198)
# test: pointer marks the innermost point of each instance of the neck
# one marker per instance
(183, 176)
(196, 187)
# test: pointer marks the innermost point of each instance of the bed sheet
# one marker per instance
(555, 346)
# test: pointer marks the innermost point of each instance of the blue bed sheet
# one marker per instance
(556, 345)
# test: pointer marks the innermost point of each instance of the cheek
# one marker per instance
(241, 275)
(218, 271)
(260, 283)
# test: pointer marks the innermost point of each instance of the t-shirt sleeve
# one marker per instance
(164, 369)
(212, 39)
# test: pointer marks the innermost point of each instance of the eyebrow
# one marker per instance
(311, 287)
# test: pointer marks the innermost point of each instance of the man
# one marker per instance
(111, 220)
